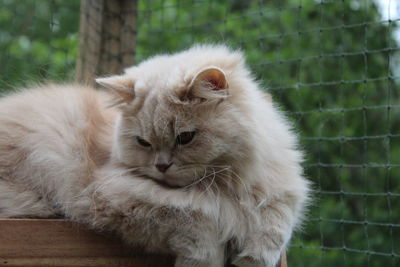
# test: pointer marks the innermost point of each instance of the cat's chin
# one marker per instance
(169, 183)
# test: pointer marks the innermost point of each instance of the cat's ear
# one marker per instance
(213, 78)
(209, 84)
(122, 86)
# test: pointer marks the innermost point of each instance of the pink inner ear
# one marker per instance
(213, 78)
(216, 81)
(217, 84)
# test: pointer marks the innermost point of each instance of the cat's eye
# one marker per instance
(185, 137)
(142, 142)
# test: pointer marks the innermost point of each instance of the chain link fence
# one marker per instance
(332, 65)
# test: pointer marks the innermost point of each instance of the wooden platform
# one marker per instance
(39, 242)
(58, 243)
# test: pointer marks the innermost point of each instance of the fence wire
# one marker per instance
(332, 65)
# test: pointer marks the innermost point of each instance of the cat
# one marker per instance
(182, 154)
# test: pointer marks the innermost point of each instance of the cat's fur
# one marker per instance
(238, 182)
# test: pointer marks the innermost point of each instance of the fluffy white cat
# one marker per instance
(190, 158)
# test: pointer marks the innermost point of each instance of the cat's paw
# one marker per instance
(196, 252)
(266, 259)
(262, 249)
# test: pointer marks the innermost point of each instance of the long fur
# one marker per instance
(237, 188)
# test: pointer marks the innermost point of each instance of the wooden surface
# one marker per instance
(58, 243)
(47, 242)
(107, 38)
(282, 261)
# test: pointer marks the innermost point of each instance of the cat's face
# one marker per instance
(179, 133)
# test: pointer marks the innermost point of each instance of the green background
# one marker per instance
(333, 66)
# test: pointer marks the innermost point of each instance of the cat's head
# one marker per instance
(182, 121)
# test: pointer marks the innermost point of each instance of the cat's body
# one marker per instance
(190, 158)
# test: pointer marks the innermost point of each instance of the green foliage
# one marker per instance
(38, 41)
(329, 64)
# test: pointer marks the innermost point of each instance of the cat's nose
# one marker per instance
(163, 167)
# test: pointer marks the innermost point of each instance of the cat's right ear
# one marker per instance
(121, 86)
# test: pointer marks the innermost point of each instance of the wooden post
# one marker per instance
(282, 261)
(107, 38)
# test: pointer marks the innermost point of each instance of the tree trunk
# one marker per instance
(107, 38)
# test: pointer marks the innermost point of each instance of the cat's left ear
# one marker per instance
(211, 77)
(209, 83)
(122, 86)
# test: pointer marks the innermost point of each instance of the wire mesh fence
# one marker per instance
(332, 65)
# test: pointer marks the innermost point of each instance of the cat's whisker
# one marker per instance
(235, 177)
(190, 166)
(205, 175)
(212, 181)
(196, 181)
(240, 179)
